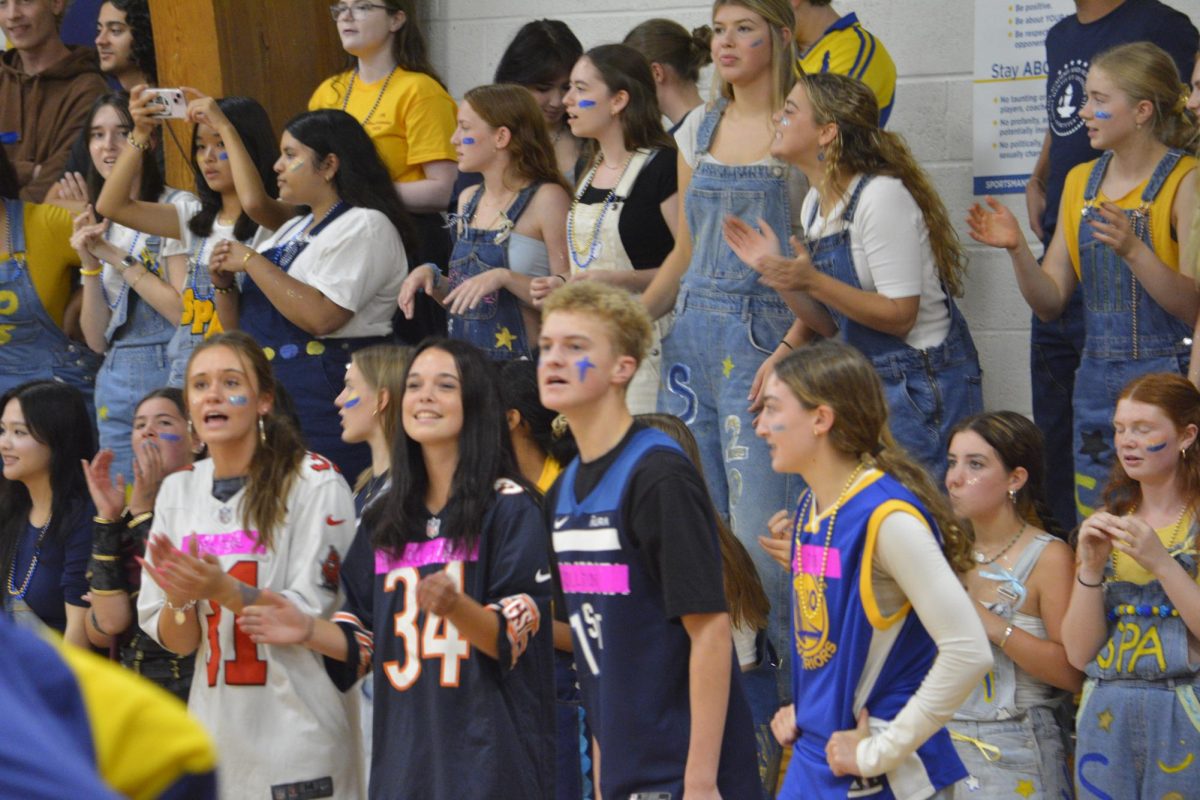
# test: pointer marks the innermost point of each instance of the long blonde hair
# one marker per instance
(781, 20)
(862, 147)
(836, 375)
(383, 367)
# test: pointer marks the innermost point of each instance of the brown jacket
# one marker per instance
(47, 111)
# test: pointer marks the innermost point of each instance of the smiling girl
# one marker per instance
(259, 514)
(1134, 618)
(1123, 221)
(508, 233)
(445, 600)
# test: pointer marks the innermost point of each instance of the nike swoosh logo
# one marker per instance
(560, 521)
(330, 521)
(541, 576)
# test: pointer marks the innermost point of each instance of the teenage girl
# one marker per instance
(676, 58)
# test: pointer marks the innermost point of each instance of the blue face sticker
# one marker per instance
(758, 42)
(1103, 115)
(170, 437)
(223, 157)
(238, 400)
(468, 140)
(1155, 448)
(352, 401)
(587, 103)
(584, 365)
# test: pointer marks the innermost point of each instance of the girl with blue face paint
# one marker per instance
(1134, 618)
(508, 233)
(1123, 222)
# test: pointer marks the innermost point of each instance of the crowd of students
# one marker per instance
(671, 473)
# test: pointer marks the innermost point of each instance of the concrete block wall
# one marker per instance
(931, 42)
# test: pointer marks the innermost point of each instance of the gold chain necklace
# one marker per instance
(1117, 555)
(378, 98)
(833, 512)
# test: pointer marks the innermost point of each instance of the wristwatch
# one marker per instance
(127, 262)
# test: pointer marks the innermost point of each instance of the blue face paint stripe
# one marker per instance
(1103, 115)
(758, 42)
(584, 365)
(223, 157)
(170, 437)
(238, 400)
(352, 402)
(1155, 448)
(587, 103)
(468, 140)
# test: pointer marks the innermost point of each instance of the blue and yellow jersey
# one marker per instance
(846, 48)
(79, 726)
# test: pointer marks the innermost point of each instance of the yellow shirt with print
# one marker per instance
(411, 125)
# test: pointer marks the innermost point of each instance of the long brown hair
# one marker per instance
(624, 69)
(1018, 443)
(1176, 397)
(383, 367)
(836, 375)
(667, 43)
(748, 603)
(276, 461)
(531, 153)
(862, 147)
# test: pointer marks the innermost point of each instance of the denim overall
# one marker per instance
(199, 320)
(1139, 717)
(495, 326)
(1128, 335)
(726, 324)
(1005, 747)
(32, 346)
(311, 369)
(927, 391)
(136, 360)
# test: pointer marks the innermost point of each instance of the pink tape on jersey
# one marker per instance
(814, 555)
(420, 554)
(232, 543)
(595, 578)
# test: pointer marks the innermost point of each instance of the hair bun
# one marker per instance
(702, 46)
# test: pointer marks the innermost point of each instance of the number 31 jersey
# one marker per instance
(280, 726)
(449, 721)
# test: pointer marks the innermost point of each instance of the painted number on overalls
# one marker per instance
(1129, 643)
(734, 452)
(9, 305)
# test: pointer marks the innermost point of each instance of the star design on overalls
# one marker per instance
(972, 783)
(1094, 445)
(727, 366)
(505, 338)
(1025, 788)
(1105, 720)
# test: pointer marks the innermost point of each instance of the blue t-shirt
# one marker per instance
(61, 572)
(450, 722)
(1070, 47)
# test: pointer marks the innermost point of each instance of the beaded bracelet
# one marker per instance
(1129, 610)
(136, 145)
(224, 289)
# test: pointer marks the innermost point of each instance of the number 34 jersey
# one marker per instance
(279, 724)
(449, 721)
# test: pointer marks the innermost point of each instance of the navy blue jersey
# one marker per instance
(631, 650)
(1070, 47)
(450, 722)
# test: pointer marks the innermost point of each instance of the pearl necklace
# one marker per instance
(378, 98)
(37, 553)
(579, 254)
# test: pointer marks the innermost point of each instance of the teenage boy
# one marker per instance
(636, 545)
(46, 92)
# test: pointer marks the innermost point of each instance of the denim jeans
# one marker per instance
(129, 373)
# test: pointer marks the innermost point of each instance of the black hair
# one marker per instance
(56, 416)
(484, 456)
(10, 187)
(542, 53)
(137, 17)
(250, 120)
(519, 391)
(361, 180)
(151, 186)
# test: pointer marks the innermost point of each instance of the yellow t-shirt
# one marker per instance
(1173, 537)
(49, 257)
(551, 469)
(1166, 247)
(411, 125)
(847, 48)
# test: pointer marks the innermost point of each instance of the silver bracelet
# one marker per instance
(180, 611)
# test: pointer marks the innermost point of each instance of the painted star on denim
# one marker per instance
(1094, 446)
(972, 783)
(727, 366)
(1025, 788)
(1105, 720)
(505, 338)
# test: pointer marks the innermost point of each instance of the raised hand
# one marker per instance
(994, 226)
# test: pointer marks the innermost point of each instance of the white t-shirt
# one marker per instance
(357, 261)
(889, 243)
(273, 712)
(189, 241)
(685, 140)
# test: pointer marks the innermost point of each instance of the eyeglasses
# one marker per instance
(357, 10)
